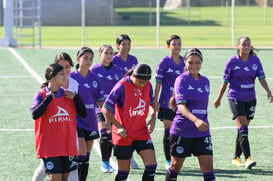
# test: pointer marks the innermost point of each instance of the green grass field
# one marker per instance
(18, 86)
(199, 26)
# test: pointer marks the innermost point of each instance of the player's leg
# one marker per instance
(40, 172)
(123, 155)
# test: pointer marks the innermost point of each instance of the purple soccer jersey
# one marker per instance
(195, 95)
(124, 65)
(116, 96)
(91, 92)
(241, 75)
(108, 77)
(166, 72)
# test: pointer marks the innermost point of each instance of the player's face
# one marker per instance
(244, 46)
(175, 46)
(66, 66)
(106, 55)
(60, 78)
(86, 60)
(138, 82)
(124, 47)
(193, 64)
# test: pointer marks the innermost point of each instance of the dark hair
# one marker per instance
(103, 47)
(63, 56)
(193, 51)
(84, 50)
(122, 37)
(172, 37)
(141, 71)
(51, 71)
(252, 49)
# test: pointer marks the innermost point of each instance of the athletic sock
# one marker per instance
(238, 150)
(81, 159)
(244, 143)
(40, 172)
(149, 172)
(105, 145)
(209, 176)
(166, 143)
(121, 175)
(171, 175)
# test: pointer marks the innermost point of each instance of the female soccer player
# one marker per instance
(189, 133)
(91, 93)
(166, 72)
(64, 60)
(54, 111)
(240, 72)
(109, 75)
(125, 61)
(131, 98)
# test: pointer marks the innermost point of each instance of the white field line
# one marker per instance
(15, 77)
(40, 80)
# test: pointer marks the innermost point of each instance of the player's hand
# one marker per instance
(216, 103)
(122, 132)
(151, 125)
(69, 94)
(201, 125)
(270, 97)
(108, 127)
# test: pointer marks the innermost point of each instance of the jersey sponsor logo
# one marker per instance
(200, 90)
(190, 87)
(247, 86)
(86, 85)
(236, 68)
(177, 72)
(49, 165)
(138, 92)
(139, 110)
(246, 69)
(199, 111)
(99, 75)
(170, 70)
(109, 77)
(61, 116)
(179, 149)
(93, 133)
(89, 106)
(95, 84)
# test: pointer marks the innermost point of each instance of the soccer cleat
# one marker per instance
(237, 162)
(110, 168)
(167, 164)
(134, 164)
(104, 166)
(250, 163)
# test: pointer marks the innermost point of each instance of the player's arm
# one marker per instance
(223, 88)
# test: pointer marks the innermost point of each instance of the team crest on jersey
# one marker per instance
(139, 110)
(254, 67)
(207, 88)
(95, 84)
(116, 77)
(61, 116)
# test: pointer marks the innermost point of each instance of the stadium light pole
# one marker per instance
(83, 22)
(157, 22)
